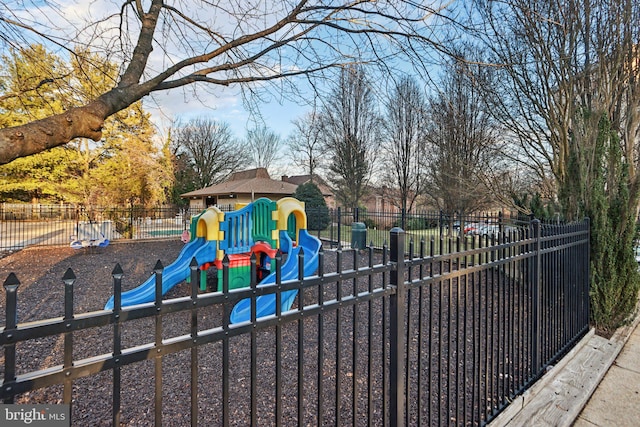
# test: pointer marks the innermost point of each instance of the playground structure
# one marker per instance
(261, 228)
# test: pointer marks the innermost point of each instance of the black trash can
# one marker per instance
(358, 235)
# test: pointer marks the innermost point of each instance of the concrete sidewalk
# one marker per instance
(596, 384)
(616, 400)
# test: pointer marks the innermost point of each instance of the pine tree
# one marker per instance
(314, 205)
(605, 198)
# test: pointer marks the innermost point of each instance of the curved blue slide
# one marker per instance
(203, 250)
(266, 304)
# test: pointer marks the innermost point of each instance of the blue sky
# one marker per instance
(62, 20)
(226, 106)
(97, 24)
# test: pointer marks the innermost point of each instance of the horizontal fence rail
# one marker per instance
(23, 225)
(432, 331)
(350, 227)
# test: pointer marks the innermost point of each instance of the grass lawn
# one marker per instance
(379, 237)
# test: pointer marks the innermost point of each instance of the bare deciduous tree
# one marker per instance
(166, 45)
(568, 89)
(559, 60)
(460, 143)
(210, 148)
(405, 125)
(305, 143)
(351, 128)
(263, 145)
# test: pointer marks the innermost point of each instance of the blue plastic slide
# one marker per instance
(266, 304)
(174, 273)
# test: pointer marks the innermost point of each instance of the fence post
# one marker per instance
(586, 283)
(536, 299)
(11, 321)
(116, 412)
(339, 239)
(403, 221)
(68, 279)
(131, 222)
(397, 329)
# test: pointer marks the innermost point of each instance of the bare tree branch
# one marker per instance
(218, 45)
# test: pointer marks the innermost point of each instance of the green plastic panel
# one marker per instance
(262, 220)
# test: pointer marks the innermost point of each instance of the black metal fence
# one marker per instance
(375, 338)
(337, 225)
(23, 225)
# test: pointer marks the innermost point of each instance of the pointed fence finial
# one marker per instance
(69, 277)
(11, 282)
(117, 272)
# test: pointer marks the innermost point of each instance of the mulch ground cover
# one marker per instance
(350, 366)
(341, 352)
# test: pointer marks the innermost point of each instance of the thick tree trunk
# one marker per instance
(78, 122)
(238, 54)
(87, 121)
(40, 135)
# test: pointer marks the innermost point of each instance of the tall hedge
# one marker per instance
(600, 189)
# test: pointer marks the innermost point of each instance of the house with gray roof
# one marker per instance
(242, 187)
